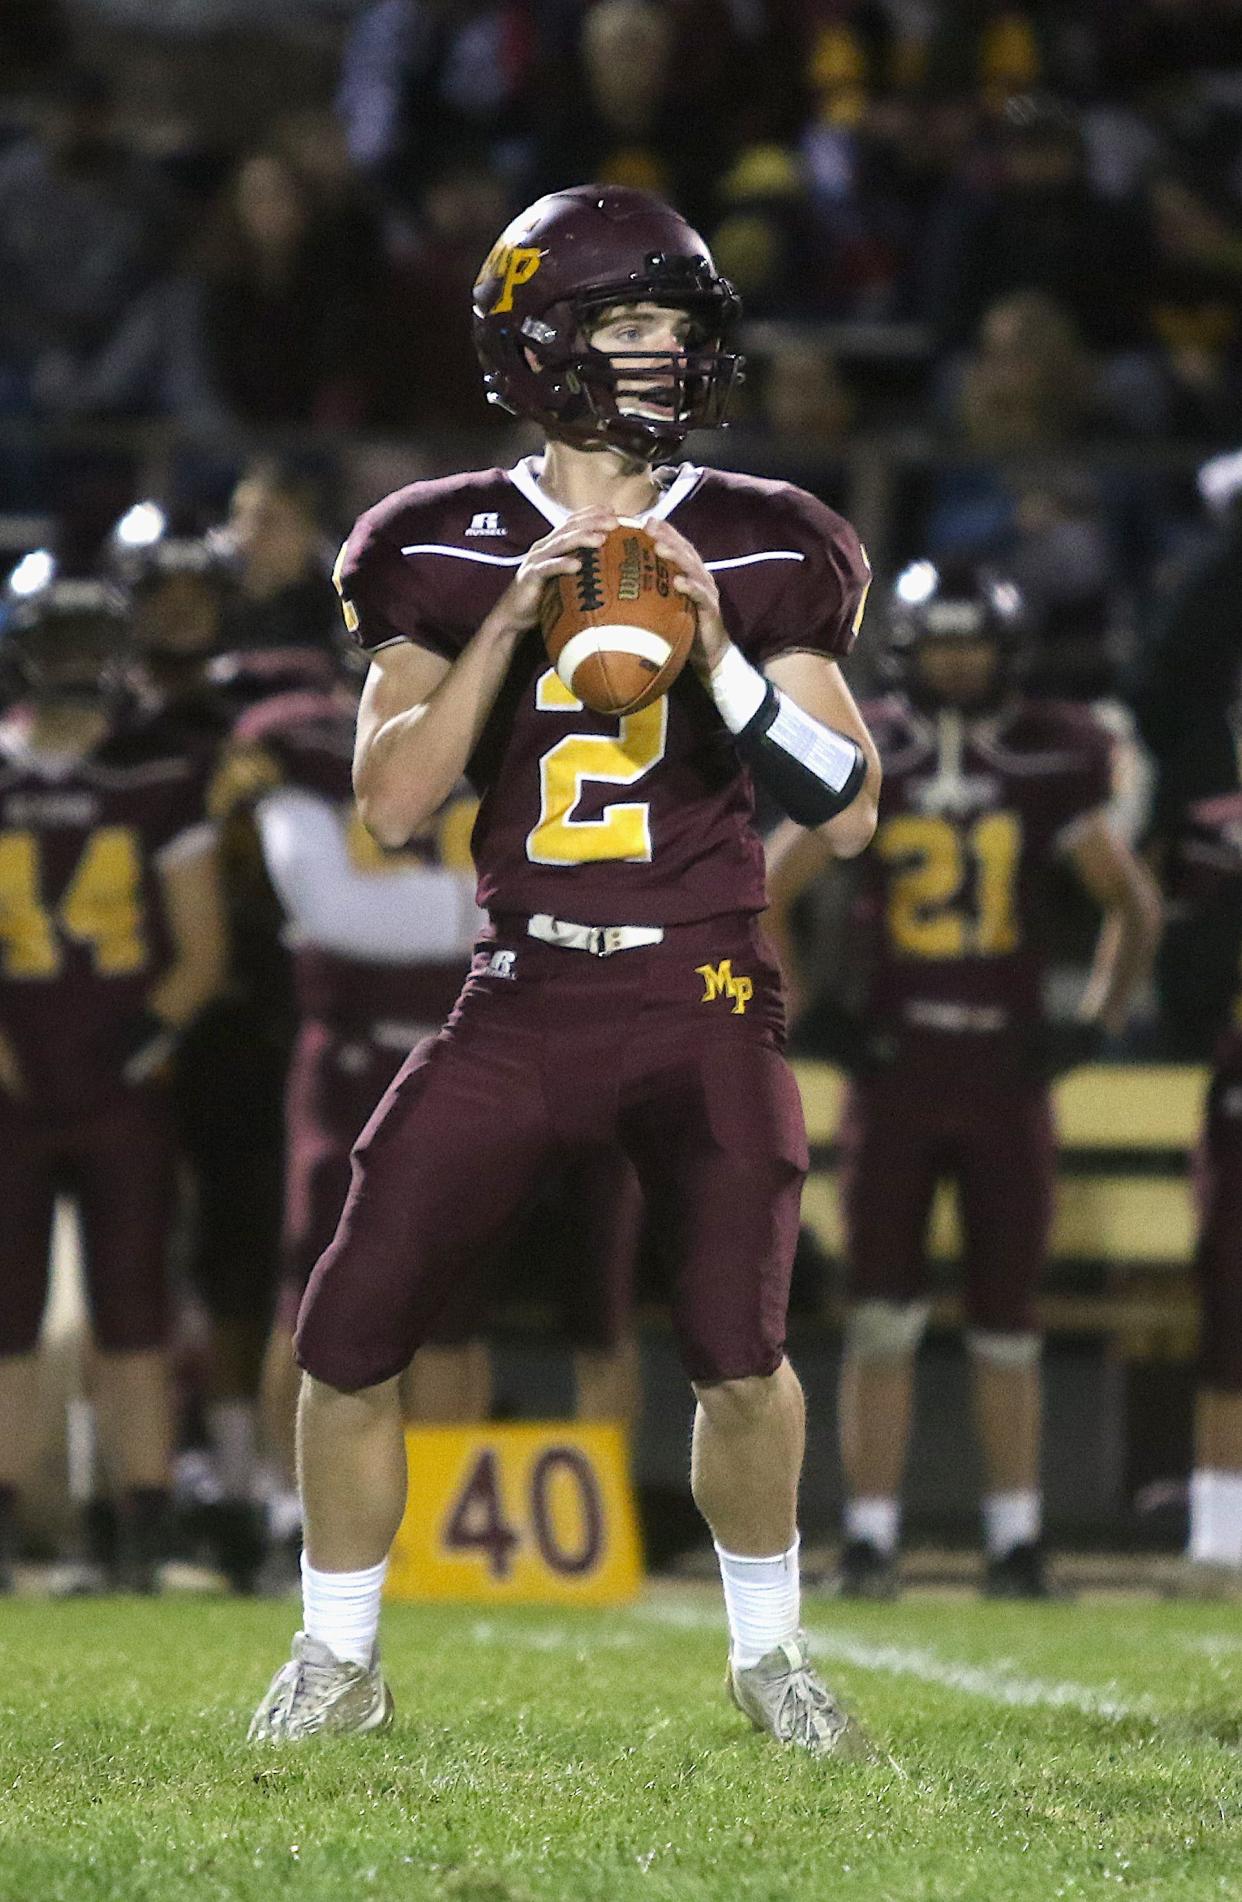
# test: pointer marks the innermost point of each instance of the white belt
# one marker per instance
(393, 1036)
(980, 1018)
(600, 940)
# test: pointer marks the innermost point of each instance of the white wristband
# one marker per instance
(738, 689)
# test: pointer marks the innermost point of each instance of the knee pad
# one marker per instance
(885, 1330)
(1006, 1351)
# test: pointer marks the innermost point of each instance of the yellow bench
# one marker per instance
(1123, 1196)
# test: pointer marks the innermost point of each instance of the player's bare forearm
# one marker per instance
(421, 716)
(1123, 958)
(195, 908)
(10, 1069)
(852, 831)
(419, 721)
(797, 859)
(1133, 916)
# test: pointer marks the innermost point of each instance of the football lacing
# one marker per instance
(589, 584)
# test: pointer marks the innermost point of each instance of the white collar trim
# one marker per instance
(524, 476)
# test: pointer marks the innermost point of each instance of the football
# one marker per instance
(618, 632)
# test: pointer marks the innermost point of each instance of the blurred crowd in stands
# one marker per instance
(1050, 194)
(983, 237)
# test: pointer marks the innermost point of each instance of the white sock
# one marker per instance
(231, 1430)
(1215, 1517)
(761, 1602)
(342, 1609)
(877, 1520)
(1010, 1519)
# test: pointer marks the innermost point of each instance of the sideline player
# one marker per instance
(1207, 890)
(381, 942)
(626, 992)
(192, 691)
(982, 790)
(111, 940)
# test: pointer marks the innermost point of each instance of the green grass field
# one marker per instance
(1061, 1751)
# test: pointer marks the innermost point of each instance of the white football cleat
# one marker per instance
(783, 1695)
(318, 1694)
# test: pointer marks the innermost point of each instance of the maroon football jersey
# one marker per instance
(971, 810)
(645, 819)
(83, 926)
(1204, 880)
(305, 741)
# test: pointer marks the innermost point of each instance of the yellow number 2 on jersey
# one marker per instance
(623, 830)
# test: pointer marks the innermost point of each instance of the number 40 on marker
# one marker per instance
(524, 1514)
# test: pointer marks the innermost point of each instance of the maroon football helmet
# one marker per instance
(954, 600)
(66, 641)
(546, 283)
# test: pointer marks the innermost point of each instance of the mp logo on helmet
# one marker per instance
(514, 265)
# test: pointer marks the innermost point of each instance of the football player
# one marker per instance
(1206, 882)
(381, 942)
(177, 586)
(625, 992)
(192, 693)
(952, 1055)
(111, 941)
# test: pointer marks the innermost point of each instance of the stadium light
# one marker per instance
(32, 572)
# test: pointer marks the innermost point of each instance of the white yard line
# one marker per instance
(1213, 1644)
(552, 1638)
(998, 1682)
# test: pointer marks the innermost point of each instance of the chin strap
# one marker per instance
(812, 771)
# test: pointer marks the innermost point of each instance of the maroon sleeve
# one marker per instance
(182, 813)
(820, 608)
(379, 588)
(302, 740)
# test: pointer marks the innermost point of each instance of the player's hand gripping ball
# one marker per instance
(618, 632)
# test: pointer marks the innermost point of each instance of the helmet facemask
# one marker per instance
(647, 401)
(72, 662)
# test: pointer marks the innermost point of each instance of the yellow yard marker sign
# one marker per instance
(524, 1515)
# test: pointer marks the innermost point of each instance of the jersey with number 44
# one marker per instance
(83, 928)
(972, 811)
(646, 819)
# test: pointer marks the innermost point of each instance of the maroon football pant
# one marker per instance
(588, 1230)
(228, 1092)
(672, 1052)
(118, 1167)
(906, 1129)
(335, 1081)
(1218, 1256)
